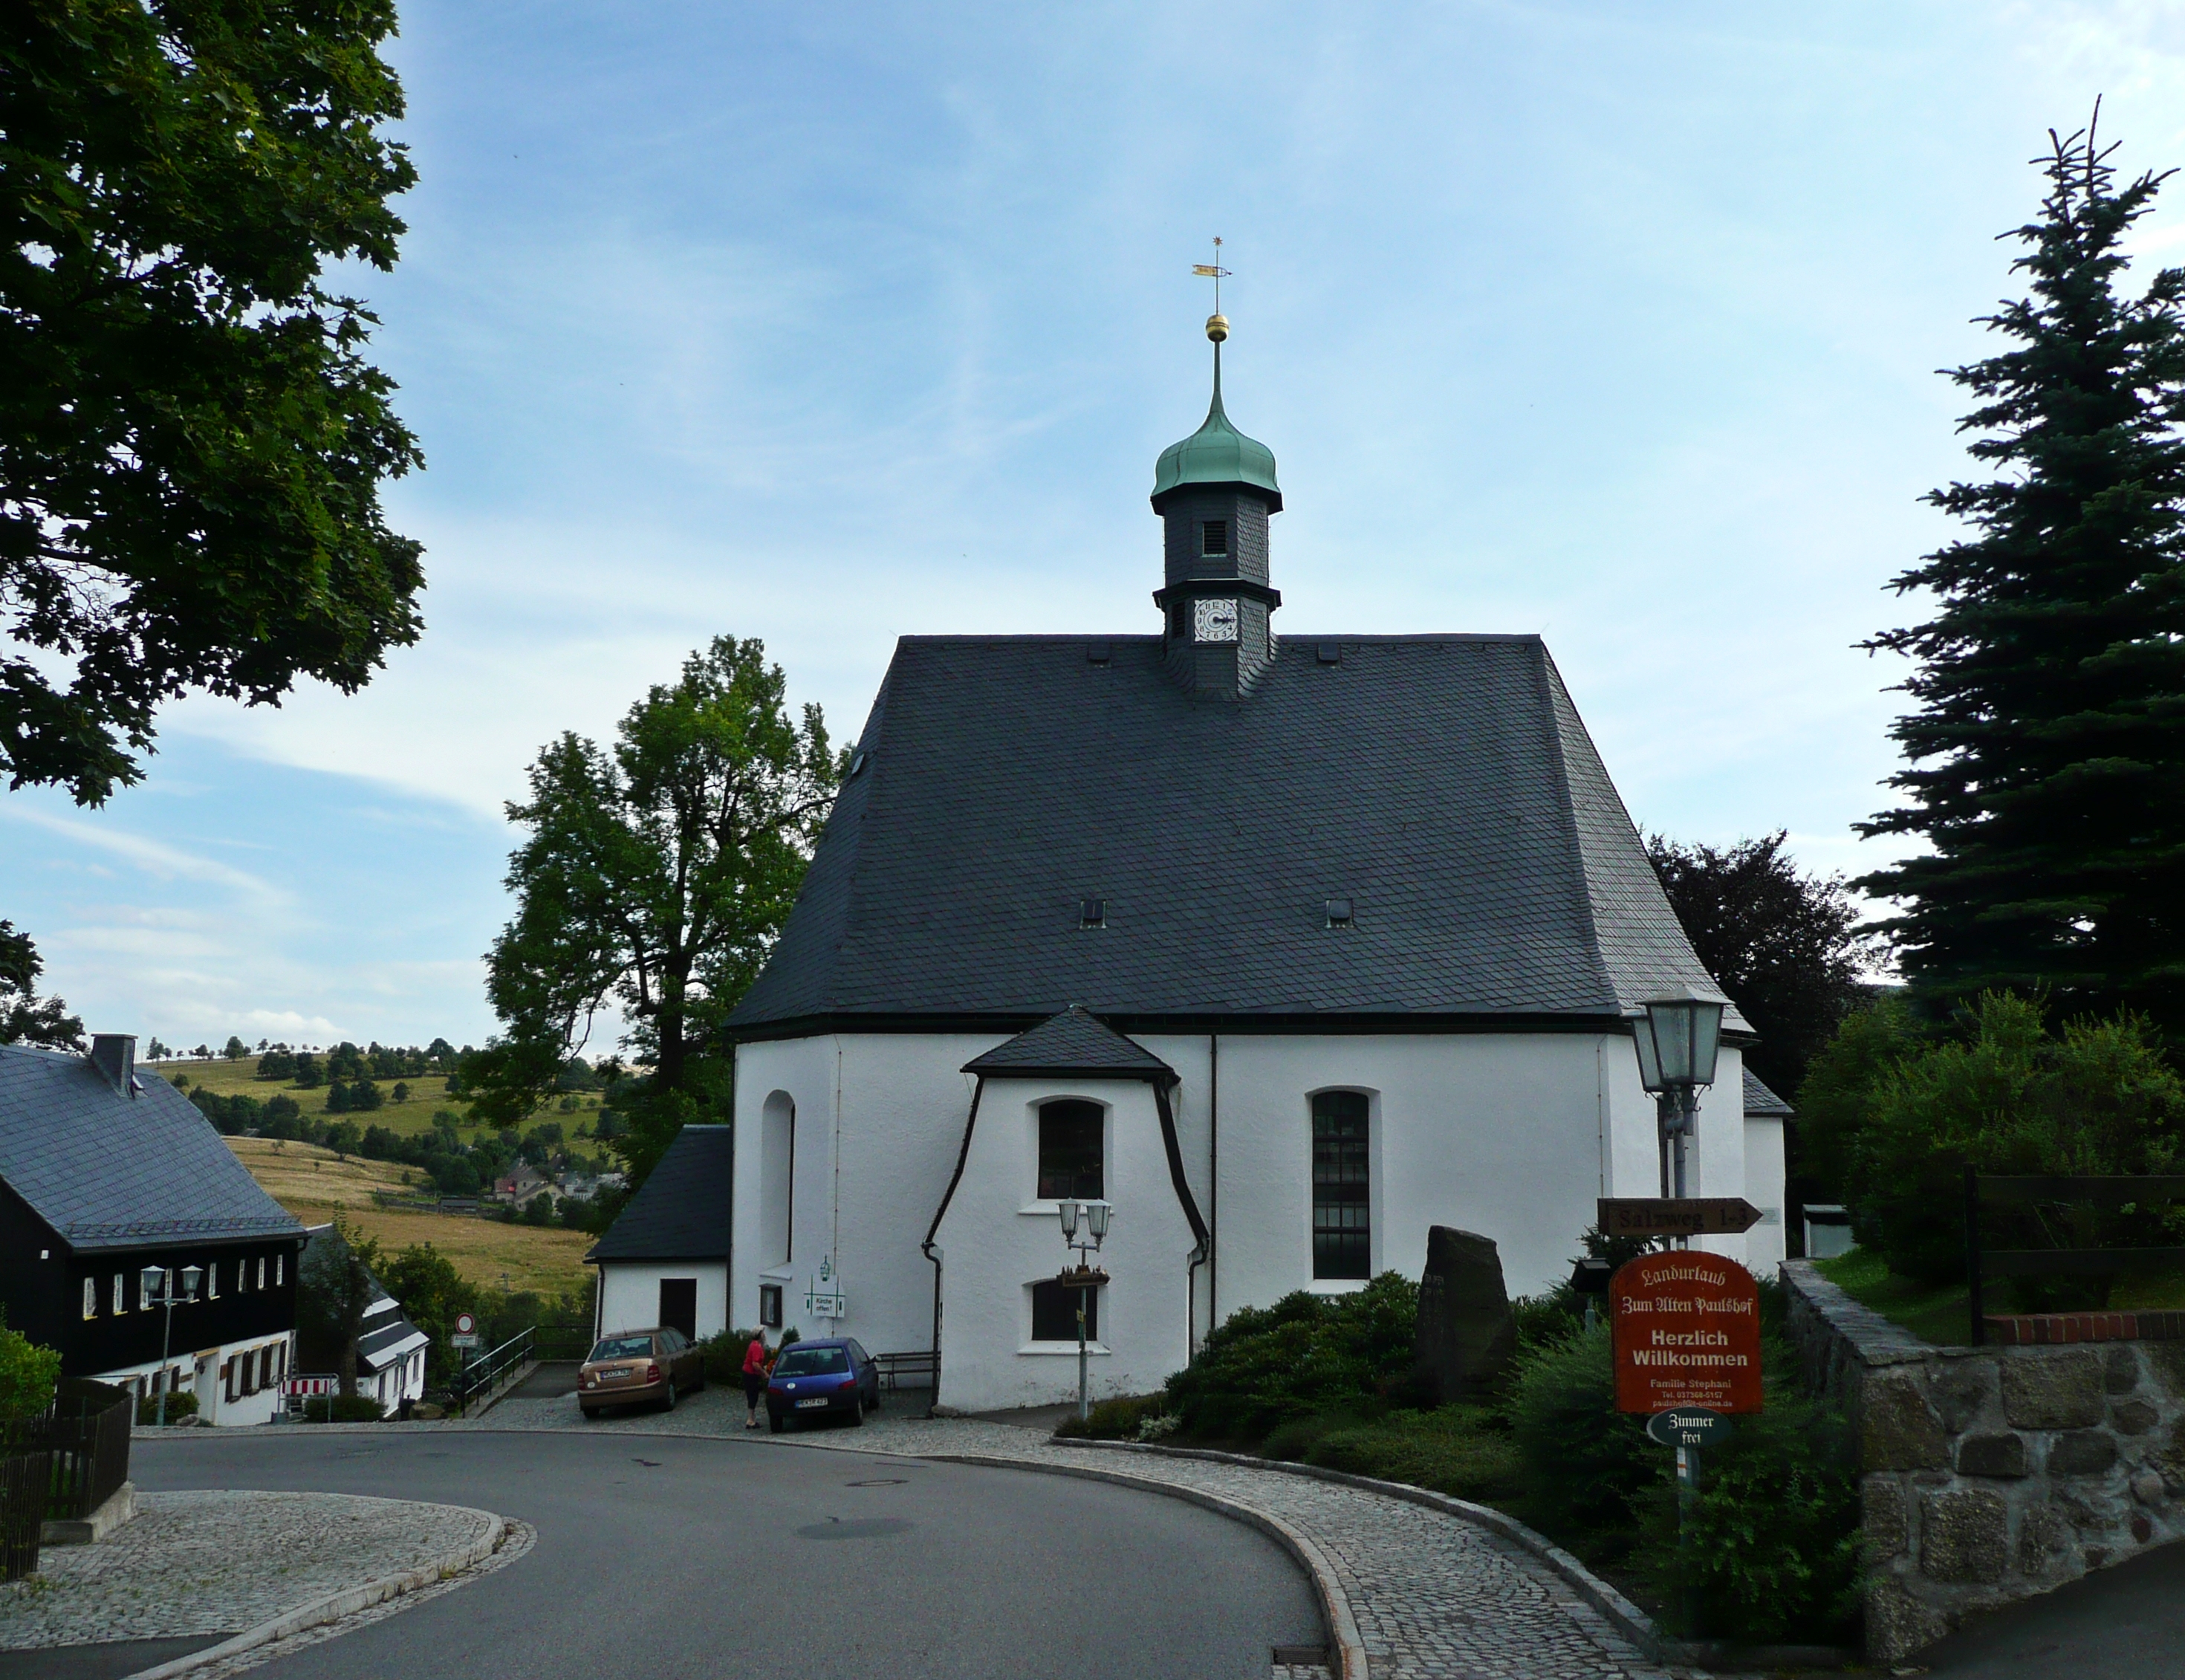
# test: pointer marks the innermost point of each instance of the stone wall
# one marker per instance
(1995, 1473)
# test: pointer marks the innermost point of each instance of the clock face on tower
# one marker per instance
(1213, 620)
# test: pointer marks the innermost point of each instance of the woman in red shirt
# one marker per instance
(756, 1365)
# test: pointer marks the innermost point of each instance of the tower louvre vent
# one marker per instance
(1214, 537)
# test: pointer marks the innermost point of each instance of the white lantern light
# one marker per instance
(1096, 1219)
(1650, 1064)
(1687, 1035)
(151, 1277)
(191, 1275)
(1067, 1210)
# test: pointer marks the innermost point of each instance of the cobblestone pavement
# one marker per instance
(521, 1538)
(218, 1563)
(1435, 1598)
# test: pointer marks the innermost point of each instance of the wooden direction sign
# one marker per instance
(1666, 1216)
(1687, 1330)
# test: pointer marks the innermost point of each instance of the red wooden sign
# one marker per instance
(1687, 1327)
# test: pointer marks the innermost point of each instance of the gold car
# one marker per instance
(633, 1367)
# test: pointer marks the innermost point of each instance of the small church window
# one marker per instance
(1214, 537)
(1342, 1187)
(1069, 1148)
(1054, 1312)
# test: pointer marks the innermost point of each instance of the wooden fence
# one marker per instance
(2089, 1190)
(85, 1435)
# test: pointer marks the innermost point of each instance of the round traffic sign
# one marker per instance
(466, 1324)
(1688, 1426)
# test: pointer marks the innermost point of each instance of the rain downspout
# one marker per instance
(933, 1230)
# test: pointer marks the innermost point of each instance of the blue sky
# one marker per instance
(824, 325)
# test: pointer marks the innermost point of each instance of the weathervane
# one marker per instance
(1217, 324)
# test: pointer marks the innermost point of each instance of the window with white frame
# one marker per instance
(280, 1264)
(1072, 1139)
(90, 1298)
(212, 1279)
(1054, 1312)
(121, 1301)
(144, 1294)
(1342, 1187)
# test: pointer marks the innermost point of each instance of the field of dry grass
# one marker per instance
(316, 1186)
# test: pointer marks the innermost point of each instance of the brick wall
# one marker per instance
(1996, 1473)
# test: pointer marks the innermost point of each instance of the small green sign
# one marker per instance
(1688, 1426)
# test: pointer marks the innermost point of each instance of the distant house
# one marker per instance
(390, 1349)
(665, 1261)
(102, 1175)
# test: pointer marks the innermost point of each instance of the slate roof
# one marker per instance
(681, 1212)
(1443, 784)
(1761, 1102)
(1071, 1044)
(110, 1172)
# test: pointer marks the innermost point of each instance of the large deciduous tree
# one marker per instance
(26, 1018)
(2047, 755)
(191, 441)
(1787, 948)
(653, 881)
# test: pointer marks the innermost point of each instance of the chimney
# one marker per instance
(115, 1054)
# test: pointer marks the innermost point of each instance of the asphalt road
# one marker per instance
(669, 1557)
(2125, 1623)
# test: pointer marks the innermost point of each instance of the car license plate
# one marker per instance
(821, 1401)
(613, 1376)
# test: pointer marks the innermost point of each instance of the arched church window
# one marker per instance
(1342, 1187)
(777, 1178)
(1071, 1139)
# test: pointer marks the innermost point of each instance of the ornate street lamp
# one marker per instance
(1084, 1276)
(1678, 1039)
(160, 1291)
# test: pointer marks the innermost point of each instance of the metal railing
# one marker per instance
(478, 1379)
(85, 1433)
(2082, 1190)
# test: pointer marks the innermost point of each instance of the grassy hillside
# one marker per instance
(315, 1184)
(428, 1092)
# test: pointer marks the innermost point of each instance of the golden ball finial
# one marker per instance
(1217, 328)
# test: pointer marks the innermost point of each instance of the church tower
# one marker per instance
(1214, 492)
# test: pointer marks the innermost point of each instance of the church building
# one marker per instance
(1285, 946)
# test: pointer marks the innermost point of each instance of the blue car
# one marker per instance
(834, 1378)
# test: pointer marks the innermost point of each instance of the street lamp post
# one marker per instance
(1086, 1277)
(1679, 1041)
(159, 1287)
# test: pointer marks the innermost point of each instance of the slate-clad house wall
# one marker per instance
(1374, 882)
(102, 1172)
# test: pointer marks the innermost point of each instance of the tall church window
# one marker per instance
(1342, 1187)
(1054, 1312)
(1070, 1136)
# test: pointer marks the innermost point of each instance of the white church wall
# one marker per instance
(1500, 1134)
(999, 1237)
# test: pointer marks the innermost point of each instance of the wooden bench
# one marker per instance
(905, 1371)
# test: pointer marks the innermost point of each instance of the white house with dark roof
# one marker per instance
(665, 1259)
(1287, 947)
(104, 1173)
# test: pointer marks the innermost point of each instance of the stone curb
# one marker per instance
(1334, 1602)
(1633, 1623)
(335, 1605)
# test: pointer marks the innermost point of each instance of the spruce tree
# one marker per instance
(2047, 755)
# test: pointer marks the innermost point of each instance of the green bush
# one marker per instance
(2007, 1097)
(1768, 1551)
(1463, 1451)
(28, 1373)
(1123, 1419)
(1304, 1355)
(724, 1355)
(342, 1408)
(1584, 1461)
(180, 1404)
